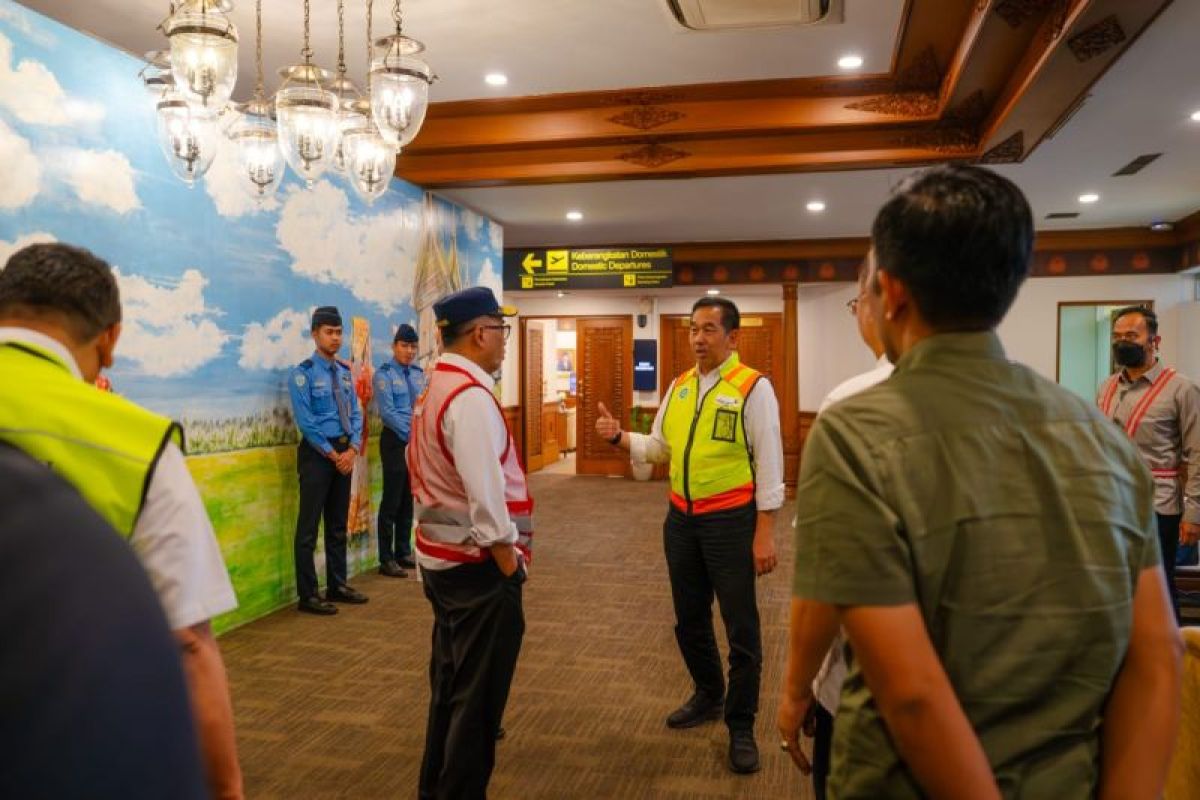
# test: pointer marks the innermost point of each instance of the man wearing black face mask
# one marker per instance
(1160, 410)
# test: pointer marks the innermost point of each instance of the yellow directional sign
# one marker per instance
(530, 263)
(557, 261)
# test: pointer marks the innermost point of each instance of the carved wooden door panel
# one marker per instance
(531, 397)
(605, 362)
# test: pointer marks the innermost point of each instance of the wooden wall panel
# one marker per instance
(605, 359)
(531, 396)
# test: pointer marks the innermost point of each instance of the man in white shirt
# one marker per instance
(827, 683)
(474, 525)
(718, 426)
(60, 318)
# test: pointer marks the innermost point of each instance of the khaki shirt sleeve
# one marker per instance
(850, 546)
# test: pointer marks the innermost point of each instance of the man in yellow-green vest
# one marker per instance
(60, 318)
(718, 426)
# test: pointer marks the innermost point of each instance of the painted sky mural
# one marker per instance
(216, 290)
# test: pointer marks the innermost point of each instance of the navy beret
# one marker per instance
(467, 304)
(406, 333)
(326, 315)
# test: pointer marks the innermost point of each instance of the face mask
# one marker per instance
(1129, 354)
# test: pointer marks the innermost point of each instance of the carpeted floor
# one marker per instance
(335, 707)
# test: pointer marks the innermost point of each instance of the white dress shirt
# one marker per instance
(761, 411)
(827, 686)
(476, 436)
(173, 536)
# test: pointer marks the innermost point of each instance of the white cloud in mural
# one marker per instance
(496, 235)
(373, 255)
(22, 172)
(489, 277)
(167, 329)
(100, 177)
(223, 181)
(472, 224)
(19, 19)
(8, 248)
(278, 343)
(32, 93)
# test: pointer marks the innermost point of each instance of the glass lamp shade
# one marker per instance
(352, 114)
(188, 136)
(399, 96)
(260, 161)
(371, 162)
(204, 47)
(307, 119)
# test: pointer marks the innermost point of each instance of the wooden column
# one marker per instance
(789, 390)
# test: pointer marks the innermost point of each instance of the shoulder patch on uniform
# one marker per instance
(300, 379)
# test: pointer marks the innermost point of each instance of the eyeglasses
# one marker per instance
(852, 304)
(506, 328)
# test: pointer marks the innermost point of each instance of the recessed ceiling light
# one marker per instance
(816, 206)
(574, 216)
(1196, 116)
(1090, 197)
(714, 292)
(1161, 227)
(496, 79)
(850, 61)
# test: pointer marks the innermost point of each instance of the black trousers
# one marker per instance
(707, 555)
(822, 749)
(396, 506)
(1168, 541)
(324, 493)
(478, 623)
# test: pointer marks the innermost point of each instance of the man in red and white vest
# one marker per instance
(474, 527)
(1160, 410)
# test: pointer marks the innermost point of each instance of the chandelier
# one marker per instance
(254, 135)
(400, 85)
(307, 115)
(204, 46)
(371, 160)
(187, 136)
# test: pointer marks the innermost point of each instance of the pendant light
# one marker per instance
(400, 85)
(306, 112)
(350, 114)
(188, 135)
(372, 160)
(204, 47)
(254, 135)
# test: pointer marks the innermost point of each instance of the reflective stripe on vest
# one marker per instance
(104, 445)
(712, 466)
(444, 521)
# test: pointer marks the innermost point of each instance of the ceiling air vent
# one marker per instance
(1137, 165)
(728, 15)
(1063, 215)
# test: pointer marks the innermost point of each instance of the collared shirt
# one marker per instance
(762, 431)
(1167, 437)
(1017, 519)
(827, 686)
(173, 536)
(477, 437)
(314, 404)
(397, 387)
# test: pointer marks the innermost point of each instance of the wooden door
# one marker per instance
(760, 345)
(531, 395)
(604, 358)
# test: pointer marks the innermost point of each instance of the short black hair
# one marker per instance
(731, 318)
(1147, 314)
(61, 281)
(960, 237)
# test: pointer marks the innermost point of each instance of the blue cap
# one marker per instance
(406, 333)
(326, 315)
(467, 304)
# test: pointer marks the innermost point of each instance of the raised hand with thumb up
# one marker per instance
(607, 427)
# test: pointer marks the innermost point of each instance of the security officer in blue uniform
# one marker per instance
(331, 423)
(398, 383)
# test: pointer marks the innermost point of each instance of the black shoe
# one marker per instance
(698, 709)
(743, 752)
(392, 570)
(315, 605)
(345, 595)
(406, 562)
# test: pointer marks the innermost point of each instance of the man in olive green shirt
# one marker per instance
(985, 538)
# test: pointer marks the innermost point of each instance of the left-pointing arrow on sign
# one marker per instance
(530, 262)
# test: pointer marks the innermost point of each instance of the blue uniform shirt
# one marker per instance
(311, 385)
(396, 391)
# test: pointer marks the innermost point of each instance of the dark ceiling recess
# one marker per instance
(1063, 215)
(1137, 165)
